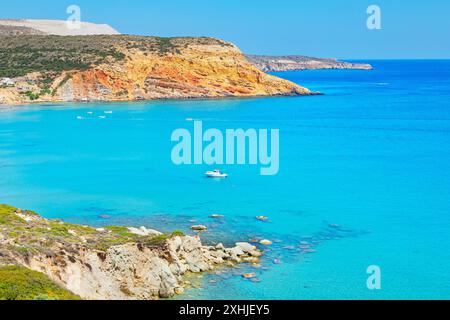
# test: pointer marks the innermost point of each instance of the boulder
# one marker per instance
(199, 228)
(266, 242)
(143, 231)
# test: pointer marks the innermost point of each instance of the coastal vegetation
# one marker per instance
(19, 283)
(29, 233)
(25, 54)
(21, 55)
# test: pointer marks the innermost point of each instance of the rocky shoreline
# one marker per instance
(113, 262)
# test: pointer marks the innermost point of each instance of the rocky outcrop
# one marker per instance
(110, 263)
(296, 63)
(139, 68)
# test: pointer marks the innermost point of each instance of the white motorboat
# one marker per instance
(216, 174)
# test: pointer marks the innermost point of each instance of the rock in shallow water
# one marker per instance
(277, 261)
(199, 228)
(246, 247)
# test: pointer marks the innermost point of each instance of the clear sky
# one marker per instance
(325, 28)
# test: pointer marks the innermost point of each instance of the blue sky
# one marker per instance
(326, 28)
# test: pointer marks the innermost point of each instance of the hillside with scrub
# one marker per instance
(49, 68)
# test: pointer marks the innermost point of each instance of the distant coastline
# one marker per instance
(300, 63)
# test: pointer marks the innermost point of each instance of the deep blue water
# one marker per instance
(364, 178)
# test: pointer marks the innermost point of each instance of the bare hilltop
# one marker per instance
(52, 27)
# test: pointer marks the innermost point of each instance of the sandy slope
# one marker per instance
(59, 27)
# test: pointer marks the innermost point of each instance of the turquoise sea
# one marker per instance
(364, 180)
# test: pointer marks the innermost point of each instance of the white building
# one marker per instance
(7, 82)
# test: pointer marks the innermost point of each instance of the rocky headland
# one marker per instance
(298, 63)
(51, 68)
(104, 263)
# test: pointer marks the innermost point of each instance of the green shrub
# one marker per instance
(31, 95)
(177, 233)
(121, 231)
(7, 215)
(49, 54)
(157, 240)
(18, 283)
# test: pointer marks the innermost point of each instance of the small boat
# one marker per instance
(216, 174)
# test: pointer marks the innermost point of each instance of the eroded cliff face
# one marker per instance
(198, 71)
(190, 69)
(110, 263)
(132, 271)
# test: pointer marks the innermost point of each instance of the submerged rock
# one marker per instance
(276, 261)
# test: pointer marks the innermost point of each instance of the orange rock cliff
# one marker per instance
(139, 68)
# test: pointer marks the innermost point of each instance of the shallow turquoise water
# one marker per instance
(371, 156)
